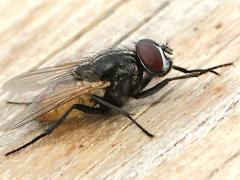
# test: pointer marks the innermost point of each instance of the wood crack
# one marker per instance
(225, 163)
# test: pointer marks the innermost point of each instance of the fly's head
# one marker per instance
(154, 58)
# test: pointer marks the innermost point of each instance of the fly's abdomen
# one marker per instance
(58, 112)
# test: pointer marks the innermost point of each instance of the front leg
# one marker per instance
(163, 83)
(184, 70)
(146, 80)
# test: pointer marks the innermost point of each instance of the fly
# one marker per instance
(102, 83)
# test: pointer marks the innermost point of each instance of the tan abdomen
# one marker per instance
(58, 112)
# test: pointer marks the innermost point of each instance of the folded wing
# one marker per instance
(50, 87)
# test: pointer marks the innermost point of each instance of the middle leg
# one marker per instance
(121, 111)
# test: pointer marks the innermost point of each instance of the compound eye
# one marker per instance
(150, 56)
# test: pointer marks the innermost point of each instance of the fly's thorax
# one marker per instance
(102, 65)
(125, 79)
(119, 67)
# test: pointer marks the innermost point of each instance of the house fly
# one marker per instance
(101, 83)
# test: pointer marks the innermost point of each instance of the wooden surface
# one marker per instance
(196, 121)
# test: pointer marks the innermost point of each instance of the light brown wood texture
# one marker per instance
(196, 121)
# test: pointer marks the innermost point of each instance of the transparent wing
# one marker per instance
(54, 86)
(52, 98)
(27, 86)
(36, 79)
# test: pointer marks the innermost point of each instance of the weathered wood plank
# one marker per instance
(53, 29)
(196, 121)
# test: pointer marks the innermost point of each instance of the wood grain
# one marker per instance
(196, 121)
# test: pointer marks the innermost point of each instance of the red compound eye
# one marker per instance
(150, 56)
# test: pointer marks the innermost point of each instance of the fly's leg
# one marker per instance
(184, 70)
(119, 110)
(48, 131)
(145, 81)
(20, 103)
(163, 83)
